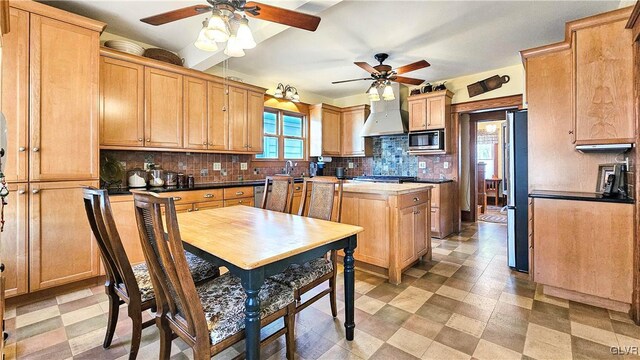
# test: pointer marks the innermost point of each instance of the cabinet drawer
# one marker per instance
(238, 193)
(435, 220)
(413, 199)
(435, 196)
(183, 197)
(234, 202)
(208, 205)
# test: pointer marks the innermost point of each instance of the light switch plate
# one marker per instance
(217, 166)
(243, 166)
(446, 164)
(422, 165)
(350, 165)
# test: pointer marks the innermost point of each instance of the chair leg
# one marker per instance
(332, 296)
(165, 339)
(290, 323)
(136, 332)
(114, 309)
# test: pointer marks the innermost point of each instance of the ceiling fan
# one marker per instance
(382, 75)
(228, 22)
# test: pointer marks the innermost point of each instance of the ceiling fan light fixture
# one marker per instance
(203, 42)
(217, 29)
(245, 37)
(373, 93)
(387, 94)
(233, 48)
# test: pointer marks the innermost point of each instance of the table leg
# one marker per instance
(251, 283)
(349, 287)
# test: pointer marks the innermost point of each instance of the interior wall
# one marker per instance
(482, 125)
(465, 189)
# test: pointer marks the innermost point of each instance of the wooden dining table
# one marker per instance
(254, 244)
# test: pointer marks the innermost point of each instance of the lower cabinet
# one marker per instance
(15, 241)
(62, 247)
(413, 224)
(125, 218)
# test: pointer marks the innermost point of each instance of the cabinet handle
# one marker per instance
(189, 210)
(210, 144)
(417, 212)
(415, 199)
(21, 192)
(570, 132)
(140, 139)
(35, 191)
(148, 139)
(240, 202)
(36, 149)
(204, 143)
(224, 108)
(297, 187)
(22, 149)
(208, 196)
(177, 198)
(239, 193)
(250, 147)
(196, 209)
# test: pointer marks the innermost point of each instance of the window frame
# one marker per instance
(280, 114)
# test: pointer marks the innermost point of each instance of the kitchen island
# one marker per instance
(397, 225)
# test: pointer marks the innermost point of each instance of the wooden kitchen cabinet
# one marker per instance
(15, 241)
(442, 209)
(353, 144)
(121, 103)
(218, 131)
(325, 131)
(124, 217)
(64, 72)
(163, 108)
(61, 245)
(255, 121)
(604, 103)
(196, 119)
(584, 247)
(430, 111)
(14, 102)
(238, 132)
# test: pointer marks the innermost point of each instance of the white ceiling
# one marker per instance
(456, 37)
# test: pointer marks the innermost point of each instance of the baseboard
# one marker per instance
(54, 291)
(586, 299)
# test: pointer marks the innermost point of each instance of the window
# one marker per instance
(284, 136)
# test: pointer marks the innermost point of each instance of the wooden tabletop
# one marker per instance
(250, 237)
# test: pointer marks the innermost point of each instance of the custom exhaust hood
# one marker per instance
(387, 117)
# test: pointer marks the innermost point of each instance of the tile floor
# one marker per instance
(464, 304)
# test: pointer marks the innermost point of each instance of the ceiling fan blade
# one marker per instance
(176, 15)
(368, 68)
(344, 81)
(283, 16)
(412, 67)
(406, 80)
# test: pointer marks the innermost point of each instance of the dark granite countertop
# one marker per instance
(432, 181)
(217, 185)
(579, 196)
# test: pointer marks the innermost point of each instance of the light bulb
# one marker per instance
(245, 38)
(387, 94)
(373, 93)
(217, 30)
(233, 48)
(204, 43)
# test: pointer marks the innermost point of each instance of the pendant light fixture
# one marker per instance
(204, 42)
(245, 38)
(286, 92)
(224, 26)
(218, 28)
(387, 94)
(373, 93)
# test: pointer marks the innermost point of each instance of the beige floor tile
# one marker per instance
(37, 316)
(410, 342)
(480, 301)
(465, 324)
(444, 268)
(363, 344)
(545, 343)
(73, 296)
(600, 336)
(81, 314)
(627, 342)
(411, 299)
(364, 287)
(489, 351)
(437, 351)
(415, 272)
(540, 296)
(516, 300)
(441, 251)
(452, 292)
(90, 340)
(467, 249)
(369, 304)
(337, 352)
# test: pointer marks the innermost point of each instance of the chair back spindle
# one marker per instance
(281, 195)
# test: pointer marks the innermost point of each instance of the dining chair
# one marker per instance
(124, 283)
(493, 189)
(281, 195)
(323, 204)
(208, 317)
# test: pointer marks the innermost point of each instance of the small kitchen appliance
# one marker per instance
(426, 140)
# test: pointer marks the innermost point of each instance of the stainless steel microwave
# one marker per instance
(426, 140)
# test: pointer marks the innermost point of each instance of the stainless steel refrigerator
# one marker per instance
(515, 160)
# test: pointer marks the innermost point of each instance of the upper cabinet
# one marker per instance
(430, 111)
(164, 106)
(603, 84)
(336, 131)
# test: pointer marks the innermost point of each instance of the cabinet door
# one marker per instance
(121, 103)
(195, 113)
(436, 114)
(15, 243)
(218, 118)
(238, 134)
(407, 234)
(15, 95)
(61, 246)
(352, 124)
(255, 122)
(163, 108)
(604, 89)
(330, 132)
(125, 220)
(64, 66)
(374, 240)
(418, 115)
(421, 221)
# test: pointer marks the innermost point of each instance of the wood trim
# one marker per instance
(147, 148)
(473, 170)
(430, 95)
(633, 22)
(585, 298)
(5, 20)
(505, 102)
(111, 53)
(635, 298)
(61, 15)
(36, 296)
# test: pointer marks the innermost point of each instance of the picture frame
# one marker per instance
(604, 170)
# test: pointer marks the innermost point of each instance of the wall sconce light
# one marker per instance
(286, 92)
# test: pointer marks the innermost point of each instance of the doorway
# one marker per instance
(489, 145)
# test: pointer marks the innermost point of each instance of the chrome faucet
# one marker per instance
(288, 167)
